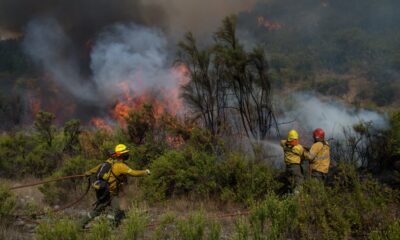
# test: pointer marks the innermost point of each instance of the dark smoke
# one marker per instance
(81, 19)
(77, 45)
(79, 63)
(59, 37)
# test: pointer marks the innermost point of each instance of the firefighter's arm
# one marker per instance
(124, 169)
(308, 156)
(298, 150)
(93, 170)
(312, 154)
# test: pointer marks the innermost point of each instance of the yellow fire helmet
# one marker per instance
(292, 135)
(121, 149)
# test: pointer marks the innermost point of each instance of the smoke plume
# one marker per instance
(132, 55)
(47, 43)
(126, 61)
(95, 51)
(305, 112)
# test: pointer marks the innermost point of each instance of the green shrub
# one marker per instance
(183, 172)
(64, 191)
(192, 228)
(100, 230)
(26, 154)
(199, 173)
(351, 207)
(394, 140)
(64, 229)
(166, 227)
(391, 233)
(71, 136)
(242, 229)
(320, 216)
(41, 161)
(242, 180)
(7, 202)
(214, 230)
(9, 156)
(44, 126)
(134, 225)
(274, 218)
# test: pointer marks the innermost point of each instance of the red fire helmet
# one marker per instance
(319, 134)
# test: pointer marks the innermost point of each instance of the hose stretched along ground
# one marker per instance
(55, 180)
(47, 181)
(27, 218)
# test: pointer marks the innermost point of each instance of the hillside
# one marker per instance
(346, 49)
(282, 122)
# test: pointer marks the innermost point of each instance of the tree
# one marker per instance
(247, 77)
(71, 134)
(44, 125)
(226, 77)
(206, 92)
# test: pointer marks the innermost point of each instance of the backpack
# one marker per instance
(103, 171)
(101, 184)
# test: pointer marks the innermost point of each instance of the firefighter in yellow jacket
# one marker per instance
(109, 177)
(319, 155)
(293, 155)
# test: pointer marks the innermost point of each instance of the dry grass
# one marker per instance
(11, 233)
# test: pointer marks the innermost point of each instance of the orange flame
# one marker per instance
(101, 124)
(36, 104)
(162, 101)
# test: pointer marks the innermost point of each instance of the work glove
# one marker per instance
(147, 171)
(87, 174)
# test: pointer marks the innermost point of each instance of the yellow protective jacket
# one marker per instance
(292, 154)
(119, 170)
(319, 157)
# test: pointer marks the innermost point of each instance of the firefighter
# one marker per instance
(109, 177)
(293, 155)
(319, 155)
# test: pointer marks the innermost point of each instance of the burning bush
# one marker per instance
(141, 124)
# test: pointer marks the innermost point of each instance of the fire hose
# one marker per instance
(152, 225)
(47, 181)
(55, 180)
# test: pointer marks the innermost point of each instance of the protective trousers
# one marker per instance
(318, 175)
(294, 176)
(113, 203)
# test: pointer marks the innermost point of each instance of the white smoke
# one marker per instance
(134, 55)
(47, 44)
(305, 112)
(128, 54)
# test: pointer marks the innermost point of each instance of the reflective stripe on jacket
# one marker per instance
(292, 154)
(118, 169)
(319, 157)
